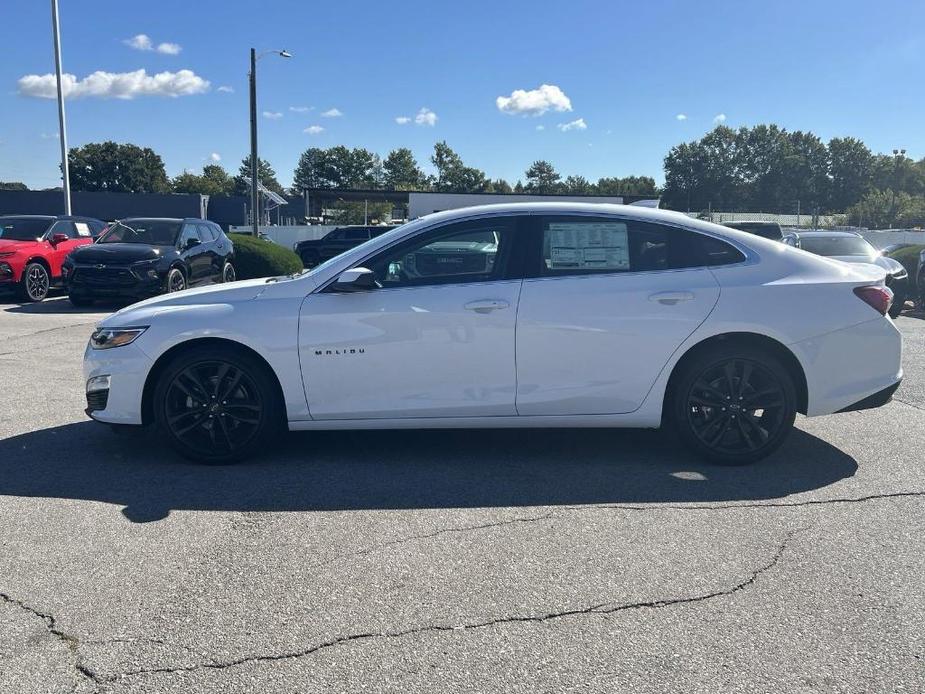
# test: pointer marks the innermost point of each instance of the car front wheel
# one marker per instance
(35, 282)
(176, 281)
(217, 405)
(733, 406)
(228, 273)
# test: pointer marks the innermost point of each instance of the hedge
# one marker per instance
(260, 258)
(909, 257)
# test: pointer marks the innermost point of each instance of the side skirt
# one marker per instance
(634, 420)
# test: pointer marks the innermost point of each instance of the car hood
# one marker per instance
(143, 311)
(8, 245)
(119, 253)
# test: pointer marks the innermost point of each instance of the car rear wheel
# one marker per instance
(217, 406)
(176, 281)
(35, 282)
(899, 302)
(733, 406)
(228, 273)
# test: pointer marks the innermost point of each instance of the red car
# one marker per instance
(32, 248)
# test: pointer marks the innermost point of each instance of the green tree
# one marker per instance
(13, 185)
(265, 173)
(880, 209)
(122, 168)
(850, 170)
(452, 175)
(402, 171)
(542, 177)
(310, 171)
(499, 185)
(213, 181)
(630, 185)
(357, 212)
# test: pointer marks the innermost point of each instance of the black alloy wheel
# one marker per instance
(35, 282)
(176, 282)
(228, 273)
(735, 408)
(216, 405)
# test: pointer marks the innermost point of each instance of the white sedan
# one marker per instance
(520, 315)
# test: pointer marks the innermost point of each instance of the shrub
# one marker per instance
(909, 257)
(260, 258)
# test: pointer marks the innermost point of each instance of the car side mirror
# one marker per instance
(59, 238)
(359, 279)
(191, 243)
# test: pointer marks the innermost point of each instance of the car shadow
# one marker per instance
(332, 471)
(62, 306)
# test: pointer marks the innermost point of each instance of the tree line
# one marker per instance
(770, 169)
(763, 168)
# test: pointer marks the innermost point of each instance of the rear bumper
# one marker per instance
(878, 399)
(847, 366)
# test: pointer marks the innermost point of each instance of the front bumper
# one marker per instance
(116, 283)
(128, 368)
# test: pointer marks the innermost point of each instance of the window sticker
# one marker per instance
(587, 246)
(83, 229)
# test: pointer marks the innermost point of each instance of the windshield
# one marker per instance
(23, 229)
(837, 245)
(151, 233)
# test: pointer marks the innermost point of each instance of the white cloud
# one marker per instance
(140, 42)
(331, 113)
(225, 89)
(169, 48)
(541, 127)
(426, 117)
(577, 124)
(536, 102)
(215, 156)
(313, 130)
(681, 116)
(301, 109)
(403, 120)
(272, 115)
(50, 136)
(719, 118)
(115, 85)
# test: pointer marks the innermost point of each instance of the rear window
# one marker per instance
(837, 245)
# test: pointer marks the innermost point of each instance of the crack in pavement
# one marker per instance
(767, 504)
(50, 330)
(602, 609)
(909, 404)
(443, 531)
(51, 626)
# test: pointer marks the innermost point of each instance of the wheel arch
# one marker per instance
(147, 395)
(746, 340)
(41, 260)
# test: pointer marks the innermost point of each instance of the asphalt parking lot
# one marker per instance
(542, 561)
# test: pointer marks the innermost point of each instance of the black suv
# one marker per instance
(336, 242)
(140, 257)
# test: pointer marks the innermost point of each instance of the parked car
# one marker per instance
(766, 230)
(140, 257)
(577, 315)
(335, 242)
(849, 247)
(33, 247)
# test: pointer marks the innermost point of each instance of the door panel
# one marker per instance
(410, 351)
(595, 344)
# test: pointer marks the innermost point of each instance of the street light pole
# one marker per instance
(62, 126)
(255, 182)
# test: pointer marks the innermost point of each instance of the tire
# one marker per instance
(35, 282)
(309, 259)
(176, 281)
(80, 301)
(722, 378)
(217, 405)
(228, 273)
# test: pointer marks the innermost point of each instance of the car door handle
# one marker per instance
(671, 298)
(486, 305)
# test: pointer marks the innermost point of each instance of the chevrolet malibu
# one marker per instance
(520, 315)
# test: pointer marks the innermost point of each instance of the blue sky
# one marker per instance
(626, 71)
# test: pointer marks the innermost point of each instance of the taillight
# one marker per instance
(878, 298)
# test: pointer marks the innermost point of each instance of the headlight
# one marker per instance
(146, 269)
(107, 338)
